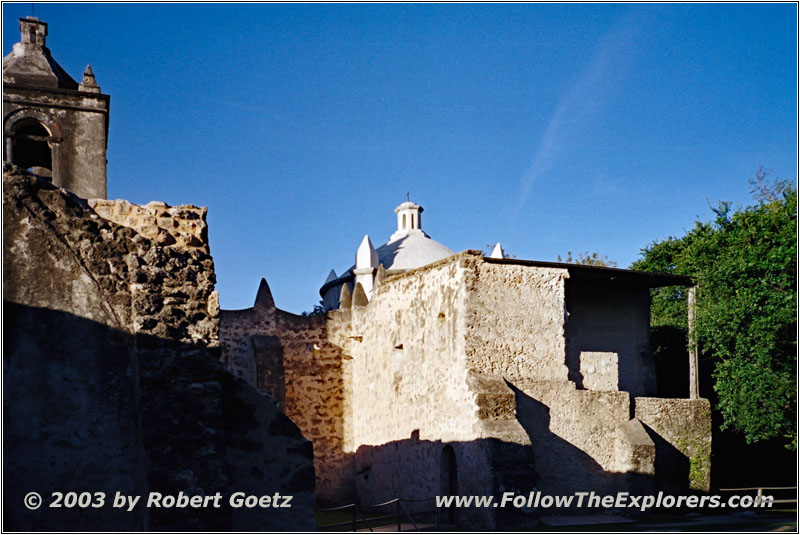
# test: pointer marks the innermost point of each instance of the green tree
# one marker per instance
(744, 263)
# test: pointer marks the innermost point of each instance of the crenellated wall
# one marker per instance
(314, 385)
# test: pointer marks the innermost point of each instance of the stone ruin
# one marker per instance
(111, 373)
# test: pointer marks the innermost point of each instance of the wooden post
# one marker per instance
(694, 381)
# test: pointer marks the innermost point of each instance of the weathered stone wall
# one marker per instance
(415, 390)
(313, 369)
(114, 361)
(70, 393)
(515, 323)
(412, 331)
(178, 227)
(609, 322)
(681, 430)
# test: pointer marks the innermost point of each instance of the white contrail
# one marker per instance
(591, 88)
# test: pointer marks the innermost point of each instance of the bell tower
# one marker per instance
(52, 125)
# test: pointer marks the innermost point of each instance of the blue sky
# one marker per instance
(548, 127)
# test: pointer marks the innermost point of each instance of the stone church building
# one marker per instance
(429, 372)
(433, 373)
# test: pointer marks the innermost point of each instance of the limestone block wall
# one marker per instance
(515, 321)
(471, 355)
(415, 392)
(681, 430)
(115, 358)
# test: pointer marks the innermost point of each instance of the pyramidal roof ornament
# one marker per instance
(264, 296)
(366, 256)
(30, 62)
(89, 84)
(497, 252)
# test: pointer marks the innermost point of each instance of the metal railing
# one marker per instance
(760, 492)
(400, 514)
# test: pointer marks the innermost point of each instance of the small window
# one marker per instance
(404, 221)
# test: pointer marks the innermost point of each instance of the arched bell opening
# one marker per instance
(30, 148)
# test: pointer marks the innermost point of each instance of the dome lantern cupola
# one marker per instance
(408, 216)
(409, 220)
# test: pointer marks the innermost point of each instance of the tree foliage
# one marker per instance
(586, 259)
(744, 263)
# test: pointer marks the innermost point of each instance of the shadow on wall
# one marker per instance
(91, 408)
(491, 467)
(563, 466)
(416, 469)
(613, 318)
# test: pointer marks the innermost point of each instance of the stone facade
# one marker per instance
(53, 125)
(526, 375)
(112, 379)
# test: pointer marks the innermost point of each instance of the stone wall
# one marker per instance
(681, 430)
(515, 324)
(70, 393)
(607, 337)
(313, 375)
(413, 330)
(573, 434)
(416, 390)
(113, 378)
(470, 356)
(177, 227)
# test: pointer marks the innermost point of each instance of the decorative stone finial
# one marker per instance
(89, 84)
(345, 301)
(360, 296)
(366, 256)
(380, 275)
(264, 296)
(497, 252)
